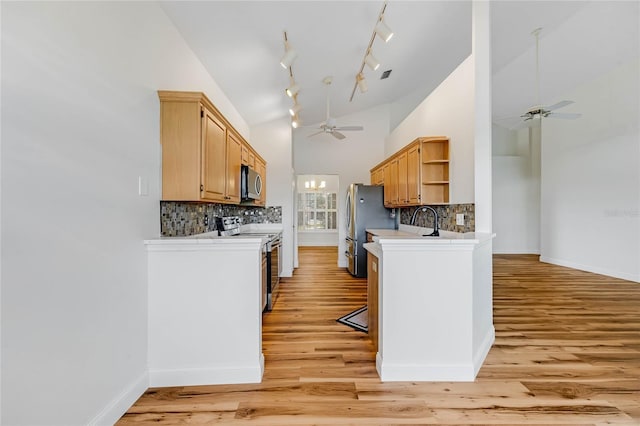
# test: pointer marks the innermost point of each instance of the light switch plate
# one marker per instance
(143, 186)
(460, 219)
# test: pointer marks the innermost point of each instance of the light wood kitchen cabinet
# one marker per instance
(372, 299)
(417, 174)
(403, 194)
(234, 160)
(201, 151)
(413, 175)
(377, 176)
(245, 155)
(214, 154)
(435, 170)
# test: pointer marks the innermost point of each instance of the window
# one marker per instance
(317, 211)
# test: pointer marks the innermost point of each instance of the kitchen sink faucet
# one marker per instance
(435, 232)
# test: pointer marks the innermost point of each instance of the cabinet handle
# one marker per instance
(201, 188)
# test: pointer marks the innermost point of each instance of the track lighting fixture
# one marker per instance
(362, 83)
(293, 89)
(385, 33)
(371, 62)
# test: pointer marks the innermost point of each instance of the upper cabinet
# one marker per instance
(201, 152)
(418, 174)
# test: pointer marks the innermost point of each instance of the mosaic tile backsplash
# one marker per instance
(446, 215)
(179, 219)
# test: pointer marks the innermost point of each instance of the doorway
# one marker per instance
(317, 212)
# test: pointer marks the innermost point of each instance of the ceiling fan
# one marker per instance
(540, 111)
(329, 126)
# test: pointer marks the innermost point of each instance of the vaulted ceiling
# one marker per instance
(241, 43)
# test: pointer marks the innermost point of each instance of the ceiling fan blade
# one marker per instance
(316, 133)
(565, 115)
(338, 135)
(350, 128)
(560, 104)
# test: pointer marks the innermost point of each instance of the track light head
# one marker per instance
(294, 110)
(292, 90)
(362, 83)
(296, 122)
(289, 56)
(371, 62)
(383, 31)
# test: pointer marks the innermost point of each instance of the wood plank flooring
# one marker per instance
(567, 351)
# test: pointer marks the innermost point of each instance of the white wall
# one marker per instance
(80, 124)
(447, 111)
(350, 159)
(274, 143)
(516, 190)
(591, 178)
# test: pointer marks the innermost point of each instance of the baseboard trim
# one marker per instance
(515, 250)
(121, 403)
(426, 372)
(483, 350)
(207, 376)
(588, 268)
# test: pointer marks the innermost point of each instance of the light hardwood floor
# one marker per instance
(567, 351)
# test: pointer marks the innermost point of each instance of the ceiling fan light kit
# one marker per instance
(383, 31)
(330, 126)
(539, 111)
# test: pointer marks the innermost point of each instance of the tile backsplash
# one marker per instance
(178, 219)
(447, 216)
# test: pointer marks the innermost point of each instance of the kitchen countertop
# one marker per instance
(408, 232)
(213, 237)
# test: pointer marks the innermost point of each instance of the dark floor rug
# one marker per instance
(357, 319)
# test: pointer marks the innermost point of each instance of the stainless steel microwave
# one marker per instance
(250, 184)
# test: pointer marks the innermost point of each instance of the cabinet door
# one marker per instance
(245, 155)
(403, 196)
(377, 177)
(393, 183)
(234, 159)
(261, 168)
(386, 171)
(213, 183)
(413, 175)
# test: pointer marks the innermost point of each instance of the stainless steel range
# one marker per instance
(231, 226)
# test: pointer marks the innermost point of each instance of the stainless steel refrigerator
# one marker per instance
(364, 209)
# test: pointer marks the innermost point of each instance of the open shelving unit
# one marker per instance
(434, 163)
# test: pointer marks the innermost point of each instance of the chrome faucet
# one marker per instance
(435, 232)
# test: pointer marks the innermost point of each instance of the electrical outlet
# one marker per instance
(460, 219)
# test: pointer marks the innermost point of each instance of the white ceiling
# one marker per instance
(241, 43)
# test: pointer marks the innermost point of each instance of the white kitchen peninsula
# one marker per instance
(434, 304)
(205, 310)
